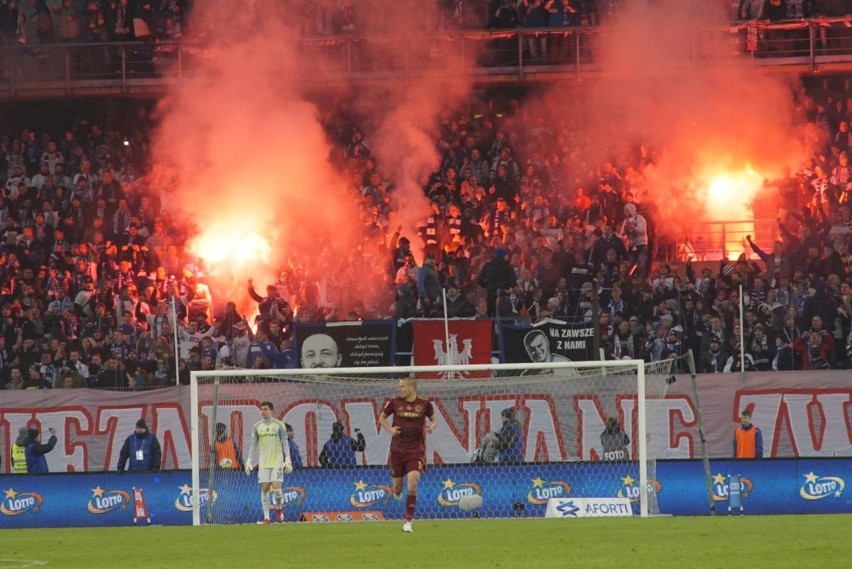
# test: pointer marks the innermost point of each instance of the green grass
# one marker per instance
(726, 543)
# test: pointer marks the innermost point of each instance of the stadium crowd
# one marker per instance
(94, 21)
(35, 22)
(520, 225)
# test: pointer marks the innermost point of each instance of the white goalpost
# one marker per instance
(561, 410)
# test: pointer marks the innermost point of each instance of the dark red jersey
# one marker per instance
(410, 417)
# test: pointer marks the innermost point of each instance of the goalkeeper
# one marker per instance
(269, 444)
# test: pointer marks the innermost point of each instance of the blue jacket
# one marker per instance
(339, 452)
(34, 452)
(151, 453)
(295, 457)
(286, 360)
(510, 442)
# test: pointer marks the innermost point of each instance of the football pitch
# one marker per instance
(625, 543)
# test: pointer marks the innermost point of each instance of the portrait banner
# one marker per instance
(548, 341)
(345, 344)
(468, 342)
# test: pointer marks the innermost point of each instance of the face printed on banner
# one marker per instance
(538, 346)
(320, 351)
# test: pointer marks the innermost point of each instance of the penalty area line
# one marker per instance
(7, 563)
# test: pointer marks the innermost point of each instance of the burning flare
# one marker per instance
(729, 214)
(230, 244)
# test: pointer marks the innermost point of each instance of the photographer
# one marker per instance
(614, 441)
(35, 451)
(339, 450)
(510, 440)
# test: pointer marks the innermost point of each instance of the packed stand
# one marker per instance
(86, 265)
(41, 22)
(94, 21)
(517, 225)
(514, 187)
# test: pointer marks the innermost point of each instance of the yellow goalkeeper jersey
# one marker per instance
(269, 438)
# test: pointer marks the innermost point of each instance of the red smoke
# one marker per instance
(243, 151)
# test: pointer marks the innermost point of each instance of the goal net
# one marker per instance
(583, 429)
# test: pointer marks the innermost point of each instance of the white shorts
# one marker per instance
(265, 475)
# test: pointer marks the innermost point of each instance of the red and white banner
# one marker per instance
(801, 414)
(463, 342)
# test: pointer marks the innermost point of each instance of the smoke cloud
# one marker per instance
(672, 78)
(242, 151)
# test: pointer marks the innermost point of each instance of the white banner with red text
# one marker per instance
(802, 414)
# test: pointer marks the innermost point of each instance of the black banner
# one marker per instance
(345, 344)
(548, 341)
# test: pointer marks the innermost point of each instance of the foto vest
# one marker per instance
(614, 445)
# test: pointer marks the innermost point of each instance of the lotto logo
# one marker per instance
(105, 501)
(819, 487)
(721, 487)
(183, 502)
(368, 495)
(452, 492)
(631, 489)
(542, 490)
(16, 503)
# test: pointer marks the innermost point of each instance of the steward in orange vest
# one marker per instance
(227, 454)
(748, 440)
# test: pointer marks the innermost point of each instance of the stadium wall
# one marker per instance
(779, 486)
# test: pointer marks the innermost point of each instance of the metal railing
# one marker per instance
(714, 240)
(516, 54)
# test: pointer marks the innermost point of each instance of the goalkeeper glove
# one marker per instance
(288, 466)
(248, 467)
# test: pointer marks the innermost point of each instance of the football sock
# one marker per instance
(264, 500)
(409, 506)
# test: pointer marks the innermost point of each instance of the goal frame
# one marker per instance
(621, 365)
